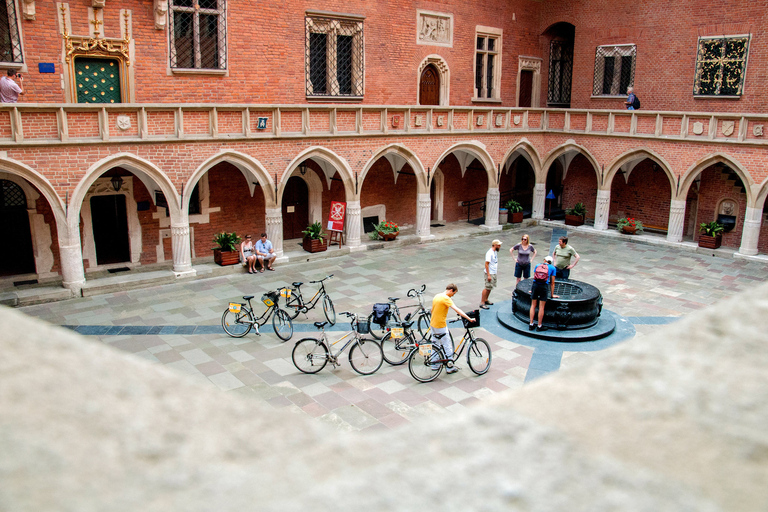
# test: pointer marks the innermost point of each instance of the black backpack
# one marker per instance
(380, 313)
(636, 103)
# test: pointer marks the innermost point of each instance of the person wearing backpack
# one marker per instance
(632, 103)
(543, 275)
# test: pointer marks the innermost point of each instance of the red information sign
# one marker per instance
(336, 216)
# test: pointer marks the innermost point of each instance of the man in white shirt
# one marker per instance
(265, 253)
(491, 266)
(10, 90)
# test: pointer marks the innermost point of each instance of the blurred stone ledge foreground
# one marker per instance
(677, 420)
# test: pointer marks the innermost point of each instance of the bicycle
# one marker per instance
(399, 341)
(238, 319)
(310, 355)
(422, 315)
(426, 361)
(294, 300)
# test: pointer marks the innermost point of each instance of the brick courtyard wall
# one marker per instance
(645, 196)
(580, 186)
(399, 198)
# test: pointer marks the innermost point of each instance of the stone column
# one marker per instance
(72, 271)
(423, 216)
(676, 223)
(181, 249)
(492, 210)
(274, 221)
(539, 200)
(354, 226)
(751, 231)
(602, 209)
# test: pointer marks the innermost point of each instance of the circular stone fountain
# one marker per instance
(574, 316)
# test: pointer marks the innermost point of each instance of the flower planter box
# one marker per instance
(388, 237)
(311, 245)
(574, 220)
(517, 217)
(710, 242)
(225, 258)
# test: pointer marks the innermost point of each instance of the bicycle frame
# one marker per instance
(297, 301)
(355, 338)
(466, 339)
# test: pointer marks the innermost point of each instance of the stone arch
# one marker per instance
(398, 155)
(762, 194)
(564, 150)
(525, 149)
(475, 149)
(249, 166)
(147, 172)
(324, 155)
(44, 187)
(445, 78)
(690, 175)
(628, 160)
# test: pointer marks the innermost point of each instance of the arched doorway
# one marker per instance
(109, 218)
(18, 257)
(429, 86)
(295, 208)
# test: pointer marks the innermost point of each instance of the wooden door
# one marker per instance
(97, 80)
(526, 88)
(295, 208)
(110, 229)
(429, 86)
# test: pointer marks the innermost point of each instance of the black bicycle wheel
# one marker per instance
(366, 357)
(310, 355)
(396, 350)
(236, 325)
(377, 331)
(422, 367)
(423, 323)
(330, 312)
(281, 322)
(479, 356)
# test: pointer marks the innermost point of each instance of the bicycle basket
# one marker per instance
(270, 298)
(472, 314)
(362, 326)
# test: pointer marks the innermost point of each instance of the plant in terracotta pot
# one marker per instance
(226, 253)
(575, 216)
(516, 211)
(314, 238)
(711, 234)
(387, 230)
(629, 226)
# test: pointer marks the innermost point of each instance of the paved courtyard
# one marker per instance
(179, 325)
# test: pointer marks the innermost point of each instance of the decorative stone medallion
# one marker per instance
(499, 119)
(516, 120)
(418, 120)
(440, 120)
(728, 128)
(123, 122)
(757, 130)
(480, 120)
(434, 28)
(698, 128)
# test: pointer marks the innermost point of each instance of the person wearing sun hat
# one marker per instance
(491, 266)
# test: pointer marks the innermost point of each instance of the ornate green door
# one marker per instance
(97, 80)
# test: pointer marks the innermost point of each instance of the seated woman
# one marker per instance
(247, 256)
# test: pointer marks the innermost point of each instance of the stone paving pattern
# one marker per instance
(178, 325)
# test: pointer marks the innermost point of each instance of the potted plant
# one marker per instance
(314, 238)
(711, 234)
(226, 253)
(575, 216)
(516, 209)
(629, 226)
(387, 230)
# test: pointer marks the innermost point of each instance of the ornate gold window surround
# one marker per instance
(95, 46)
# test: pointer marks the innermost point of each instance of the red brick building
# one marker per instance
(147, 126)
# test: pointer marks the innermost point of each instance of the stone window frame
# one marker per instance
(330, 23)
(699, 64)
(17, 41)
(613, 50)
(495, 34)
(221, 12)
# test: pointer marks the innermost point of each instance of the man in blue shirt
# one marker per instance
(630, 103)
(539, 292)
(265, 253)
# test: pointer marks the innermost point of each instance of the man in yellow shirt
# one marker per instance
(440, 305)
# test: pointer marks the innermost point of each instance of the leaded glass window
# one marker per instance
(487, 77)
(10, 42)
(560, 73)
(198, 34)
(334, 56)
(720, 66)
(614, 69)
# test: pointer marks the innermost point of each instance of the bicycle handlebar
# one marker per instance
(413, 292)
(321, 280)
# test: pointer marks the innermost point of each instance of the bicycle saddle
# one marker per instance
(393, 299)
(320, 325)
(296, 285)
(247, 297)
(407, 325)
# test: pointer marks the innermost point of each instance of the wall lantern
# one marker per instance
(303, 168)
(117, 182)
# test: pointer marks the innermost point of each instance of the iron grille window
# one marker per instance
(720, 66)
(334, 57)
(560, 70)
(198, 34)
(486, 60)
(10, 42)
(11, 195)
(614, 69)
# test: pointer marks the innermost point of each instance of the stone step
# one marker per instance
(127, 282)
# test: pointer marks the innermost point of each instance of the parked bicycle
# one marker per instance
(421, 316)
(426, 361)
(310, 355)
(238, 319)
(295, 304)
(401, 339)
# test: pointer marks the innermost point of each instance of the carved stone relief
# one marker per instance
(434, 28)
(28, 9)
(728, 127)
(161, 10)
